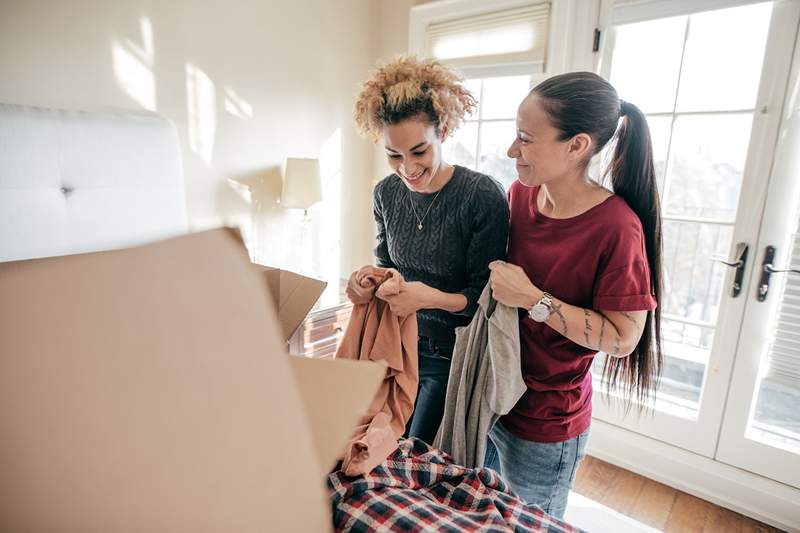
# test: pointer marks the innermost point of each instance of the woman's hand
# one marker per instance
(413, 296)
(357, 293)
(511, 285)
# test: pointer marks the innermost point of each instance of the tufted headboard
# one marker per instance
(73, 181)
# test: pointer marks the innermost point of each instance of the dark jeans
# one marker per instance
(434, 369)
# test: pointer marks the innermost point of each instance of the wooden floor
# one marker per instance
(655, 504)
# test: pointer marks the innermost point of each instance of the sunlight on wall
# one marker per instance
(133, 66)
(237, 106)
(201, 102)
(242, 190)
(244, 217)
(328, 220)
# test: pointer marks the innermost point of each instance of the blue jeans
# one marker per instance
(434, 370)
(539, 472)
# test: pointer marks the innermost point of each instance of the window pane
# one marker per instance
(776, 420)
(688, 342)
(646, 63)
(660, 128)
(474, 87)
(682, 378)
(723, 58)
(679, 389)
(496, 137)
(706, 164)
(461, 148)
(502, 96)
(692, 282)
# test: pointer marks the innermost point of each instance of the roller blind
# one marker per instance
(517, 35)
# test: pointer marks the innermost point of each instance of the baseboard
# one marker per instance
(760, 498)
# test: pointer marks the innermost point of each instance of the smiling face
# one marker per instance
(414, 152)
(539, 154)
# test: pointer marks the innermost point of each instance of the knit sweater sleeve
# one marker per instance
(488, 222)
(382, 258)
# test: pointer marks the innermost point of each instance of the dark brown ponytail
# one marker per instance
(633, 177)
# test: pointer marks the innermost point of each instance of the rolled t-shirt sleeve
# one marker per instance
(624, 281)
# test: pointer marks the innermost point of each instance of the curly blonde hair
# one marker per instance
(408, 87)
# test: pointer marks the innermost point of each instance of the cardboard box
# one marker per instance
(149, 389)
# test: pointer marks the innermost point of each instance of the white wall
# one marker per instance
(247, 83)
(393, 18)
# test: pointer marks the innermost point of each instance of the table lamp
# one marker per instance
(301, 184)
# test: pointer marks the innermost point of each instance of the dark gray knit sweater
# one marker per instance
(465, 230)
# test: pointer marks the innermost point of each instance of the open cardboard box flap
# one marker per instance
(148, 389)
(294, 295)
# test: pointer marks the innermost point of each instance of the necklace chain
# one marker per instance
(421, 220)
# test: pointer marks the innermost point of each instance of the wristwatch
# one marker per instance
(540, 312)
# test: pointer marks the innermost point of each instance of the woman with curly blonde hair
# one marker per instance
(439, 225)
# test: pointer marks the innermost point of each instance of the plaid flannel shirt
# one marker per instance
(419, 488)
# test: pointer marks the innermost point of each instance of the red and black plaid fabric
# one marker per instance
(419, 488)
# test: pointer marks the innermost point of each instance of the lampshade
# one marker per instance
(301, 183)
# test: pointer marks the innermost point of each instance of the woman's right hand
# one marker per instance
(357, 293)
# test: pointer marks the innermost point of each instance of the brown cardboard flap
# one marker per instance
(148, 389)
(293, 295)
(336, 394)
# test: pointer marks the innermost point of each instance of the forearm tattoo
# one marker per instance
(587, 326)
(602, 331)
(556, 308)
(617, 350)
(633, 321)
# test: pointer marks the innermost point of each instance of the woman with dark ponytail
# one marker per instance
(584, 266)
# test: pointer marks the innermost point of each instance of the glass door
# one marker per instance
(761, 429)
(711, 84)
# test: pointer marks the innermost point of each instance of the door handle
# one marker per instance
(774, 270)
(739, 263)
(767, 269)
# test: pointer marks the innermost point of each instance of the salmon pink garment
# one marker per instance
(374, 333)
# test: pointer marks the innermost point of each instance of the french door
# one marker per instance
(712, 78)
(761, 427)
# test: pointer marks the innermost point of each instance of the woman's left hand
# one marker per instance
(412, 297)
(511, 285)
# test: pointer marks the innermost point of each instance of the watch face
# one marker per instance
(540, 312)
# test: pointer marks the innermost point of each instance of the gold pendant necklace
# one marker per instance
(421, 220)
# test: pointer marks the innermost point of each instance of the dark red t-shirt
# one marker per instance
(596, 260)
